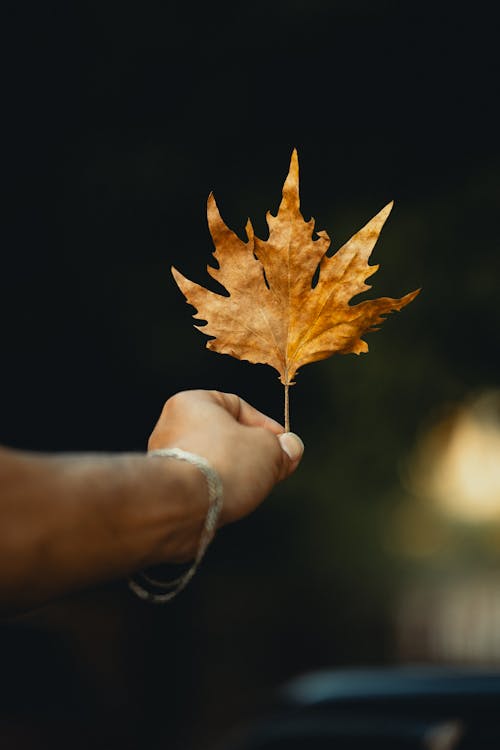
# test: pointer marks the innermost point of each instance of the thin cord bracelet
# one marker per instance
(166, 590)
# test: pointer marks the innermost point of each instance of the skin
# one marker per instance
(71, 521)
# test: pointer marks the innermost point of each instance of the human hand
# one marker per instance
(250, 451)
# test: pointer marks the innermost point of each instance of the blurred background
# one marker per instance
(385, 547)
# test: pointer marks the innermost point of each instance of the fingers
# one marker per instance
(253, 418)
(249, 416)
(246, 414)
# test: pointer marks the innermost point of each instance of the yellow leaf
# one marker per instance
(273, 315)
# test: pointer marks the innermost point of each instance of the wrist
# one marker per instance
(149, 587)
(172, 508)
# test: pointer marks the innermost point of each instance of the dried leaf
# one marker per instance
(273, 315)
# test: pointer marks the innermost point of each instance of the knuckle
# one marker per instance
(217, 396)
(229, 401)
(178, 399)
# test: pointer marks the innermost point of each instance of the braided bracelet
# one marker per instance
(146, 588)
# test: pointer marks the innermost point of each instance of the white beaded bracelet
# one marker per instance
(214, 484)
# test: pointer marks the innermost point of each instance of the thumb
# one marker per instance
(293, 446)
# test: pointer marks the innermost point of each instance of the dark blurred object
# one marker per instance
(430, 707)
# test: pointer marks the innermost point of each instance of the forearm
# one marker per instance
(71, 521)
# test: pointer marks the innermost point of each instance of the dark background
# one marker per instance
(120, 119)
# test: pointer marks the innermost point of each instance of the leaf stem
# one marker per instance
(287, 409)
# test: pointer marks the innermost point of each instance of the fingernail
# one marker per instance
(292, 445)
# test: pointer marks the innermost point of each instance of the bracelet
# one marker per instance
(146, 588)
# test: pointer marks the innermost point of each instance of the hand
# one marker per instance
(250, 451)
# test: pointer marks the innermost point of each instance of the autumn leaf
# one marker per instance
(273, 314)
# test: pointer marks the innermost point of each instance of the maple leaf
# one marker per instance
(273, 314)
